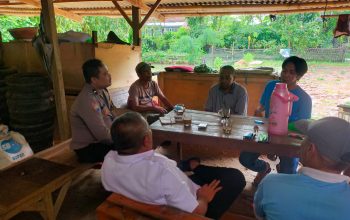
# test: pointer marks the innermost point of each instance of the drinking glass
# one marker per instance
(187, 120)
(225, 112)
(227, 125)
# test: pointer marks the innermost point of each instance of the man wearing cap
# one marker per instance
(92, 114)
(227, 94)
(143, 90)
(319, 190)
(135, 170)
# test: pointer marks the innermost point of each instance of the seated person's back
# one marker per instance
(227, 94)
(318, 191)
(135, 170)
(157, 175)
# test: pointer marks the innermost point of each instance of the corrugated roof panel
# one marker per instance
(185, 7)
(91, 4)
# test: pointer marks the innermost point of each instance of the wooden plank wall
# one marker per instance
(121, 61)
(192, 89)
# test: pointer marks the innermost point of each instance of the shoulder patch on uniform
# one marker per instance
(96, 106)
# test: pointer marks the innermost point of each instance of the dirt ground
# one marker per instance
(328, 87)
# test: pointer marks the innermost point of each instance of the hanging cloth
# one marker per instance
(43, 47)
(343, 26)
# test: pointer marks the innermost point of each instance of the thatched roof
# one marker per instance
(75, 9)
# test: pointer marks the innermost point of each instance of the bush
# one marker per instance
(248, 57)
(218, 62)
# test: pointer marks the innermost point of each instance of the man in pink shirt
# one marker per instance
(143, 91)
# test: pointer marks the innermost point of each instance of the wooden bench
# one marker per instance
(36, 178)
(118, 207)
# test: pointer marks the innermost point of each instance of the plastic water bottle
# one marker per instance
(281, 104)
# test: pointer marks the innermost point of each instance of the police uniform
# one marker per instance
(91, 118)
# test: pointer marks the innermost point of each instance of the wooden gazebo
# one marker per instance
(133, 10)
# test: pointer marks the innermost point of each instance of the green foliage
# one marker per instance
(203, 68)
(9, 22)
(189, 46)
(189, 43)
(248, 57)
(100, 24)
(218, 62)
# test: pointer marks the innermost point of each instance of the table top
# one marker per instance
(28, 178)
(213, 135)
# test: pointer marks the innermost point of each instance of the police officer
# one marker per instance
(92, 114)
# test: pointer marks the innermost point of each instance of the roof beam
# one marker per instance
(10, 3)
(57, 10)
(296, 6)
(262, 11)
(154, 7)
(122, 12)
(232, 12)
(67, 1)
(222, 9)
(139, 4)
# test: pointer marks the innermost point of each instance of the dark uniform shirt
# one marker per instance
(236, 99)
(91, 117)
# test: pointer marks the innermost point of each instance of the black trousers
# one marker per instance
(93, 153)
(231, 180)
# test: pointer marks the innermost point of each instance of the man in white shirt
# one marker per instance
(135, 170)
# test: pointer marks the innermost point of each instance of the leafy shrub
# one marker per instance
(248, 57)
(218, 62)
(189, 46)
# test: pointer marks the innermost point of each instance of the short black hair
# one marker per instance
(91, 69)
(128, 132)
(229, 68)
(299, 63)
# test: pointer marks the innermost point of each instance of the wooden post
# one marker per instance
(56, 69)
(136, 31)
(1, 51)
(94, 38)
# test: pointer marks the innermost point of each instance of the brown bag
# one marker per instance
(343, 26)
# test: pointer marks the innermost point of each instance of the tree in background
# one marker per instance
(100, 24)
(297, 31)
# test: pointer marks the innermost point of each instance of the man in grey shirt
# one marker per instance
(227, 94)
(92, 114)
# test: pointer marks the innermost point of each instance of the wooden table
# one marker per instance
(213, 135)
(29, 185)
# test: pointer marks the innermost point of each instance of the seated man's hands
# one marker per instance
(160, 110)
(258, 113)
(207, 192)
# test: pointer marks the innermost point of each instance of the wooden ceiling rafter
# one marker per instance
(122, 12)
(141, 5)
(297, 5)
(33, 12)
(173, 9)
(150, 12)
(253, 12)
(199, 10)
(57, 10)
(10, 3)
(69, 1)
